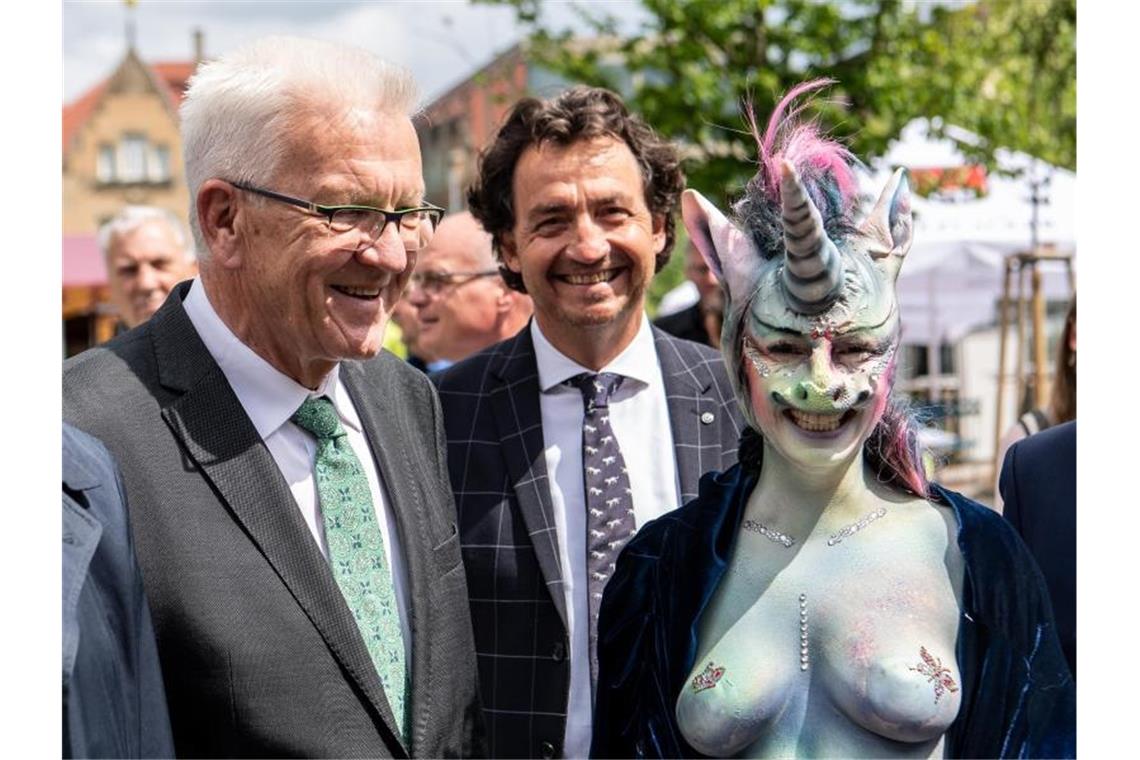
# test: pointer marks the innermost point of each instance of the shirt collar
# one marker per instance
(268, 396)
(636, 362)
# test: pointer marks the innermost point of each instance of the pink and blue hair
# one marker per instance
(825, 166)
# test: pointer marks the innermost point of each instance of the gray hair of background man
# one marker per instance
(131, 218)
(239, 109)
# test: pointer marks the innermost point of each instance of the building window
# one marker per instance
(159, 166)
(105, 164)
(133, 159)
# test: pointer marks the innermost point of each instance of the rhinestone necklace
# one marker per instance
(787, 541)
(856, 526)
(769, 533)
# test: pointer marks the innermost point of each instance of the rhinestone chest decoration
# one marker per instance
(857, 526)
(769, 533)
(936, 673)
(804, 657)
(707, 678)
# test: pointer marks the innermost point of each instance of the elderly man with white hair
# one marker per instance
(291, 506)
(147, 252)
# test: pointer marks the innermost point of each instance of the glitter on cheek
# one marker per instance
(760, 387)
(882, 366)
(762, 405)
(753, 355)
(880, 391)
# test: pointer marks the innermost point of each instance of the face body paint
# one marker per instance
(818, 387)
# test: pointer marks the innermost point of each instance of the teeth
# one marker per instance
(817, 423)
(588, 279)
(360, 292)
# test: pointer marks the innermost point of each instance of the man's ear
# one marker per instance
(505, 301)
(658, 233)
(508, 253)
(218, 218)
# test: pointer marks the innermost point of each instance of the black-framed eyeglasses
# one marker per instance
(416, 225)
(434, 283)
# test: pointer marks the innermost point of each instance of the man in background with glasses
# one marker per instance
(289, 495)
(462, 303)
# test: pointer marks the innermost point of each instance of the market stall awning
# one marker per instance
(82, 262)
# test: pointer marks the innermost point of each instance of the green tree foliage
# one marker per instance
(1003, 69)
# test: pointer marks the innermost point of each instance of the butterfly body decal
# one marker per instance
(936, 673)
(708, 678)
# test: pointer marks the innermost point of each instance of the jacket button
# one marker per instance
(547, 750)
(558, 651)
(707, 418)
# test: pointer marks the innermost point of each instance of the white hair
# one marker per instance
(239, 108)
(130, 218)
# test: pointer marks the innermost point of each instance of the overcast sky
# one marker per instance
(442, 41)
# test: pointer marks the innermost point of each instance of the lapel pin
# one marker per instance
(707, 418)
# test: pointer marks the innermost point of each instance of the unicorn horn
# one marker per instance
(813, 268)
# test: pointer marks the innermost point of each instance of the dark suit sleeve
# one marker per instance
(1008, 488)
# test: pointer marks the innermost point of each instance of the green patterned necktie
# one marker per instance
(356, 549)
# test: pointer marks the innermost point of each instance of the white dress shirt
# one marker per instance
(639, 416)
(270, 398)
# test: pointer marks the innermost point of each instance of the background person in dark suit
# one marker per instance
(113, 701)
(589, 423)
(1039, 487)
(700, 322)
(294, 522)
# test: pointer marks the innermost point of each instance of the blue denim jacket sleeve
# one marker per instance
(114, 703)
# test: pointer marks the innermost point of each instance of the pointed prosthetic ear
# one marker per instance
(728, 251)
(891, 223)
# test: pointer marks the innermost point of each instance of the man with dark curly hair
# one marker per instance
(565, 439)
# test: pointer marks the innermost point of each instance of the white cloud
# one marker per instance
(441, 41)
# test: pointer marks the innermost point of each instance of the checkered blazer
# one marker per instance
(495, 450)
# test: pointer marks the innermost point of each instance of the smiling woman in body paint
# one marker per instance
(822, 598)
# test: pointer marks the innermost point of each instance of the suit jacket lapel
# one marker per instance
(518, 415)
(218, 436)
(381, 416)
(688, 387)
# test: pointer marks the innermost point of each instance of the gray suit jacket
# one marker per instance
(260, 652)
(506, 519)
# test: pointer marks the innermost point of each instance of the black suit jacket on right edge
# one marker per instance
(1039, 488)
(495, 447)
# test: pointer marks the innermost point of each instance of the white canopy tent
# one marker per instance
(952, 279)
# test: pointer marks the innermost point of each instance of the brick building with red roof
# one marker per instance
(120, 146)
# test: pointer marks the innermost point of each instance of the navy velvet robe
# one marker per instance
(1018, 698)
